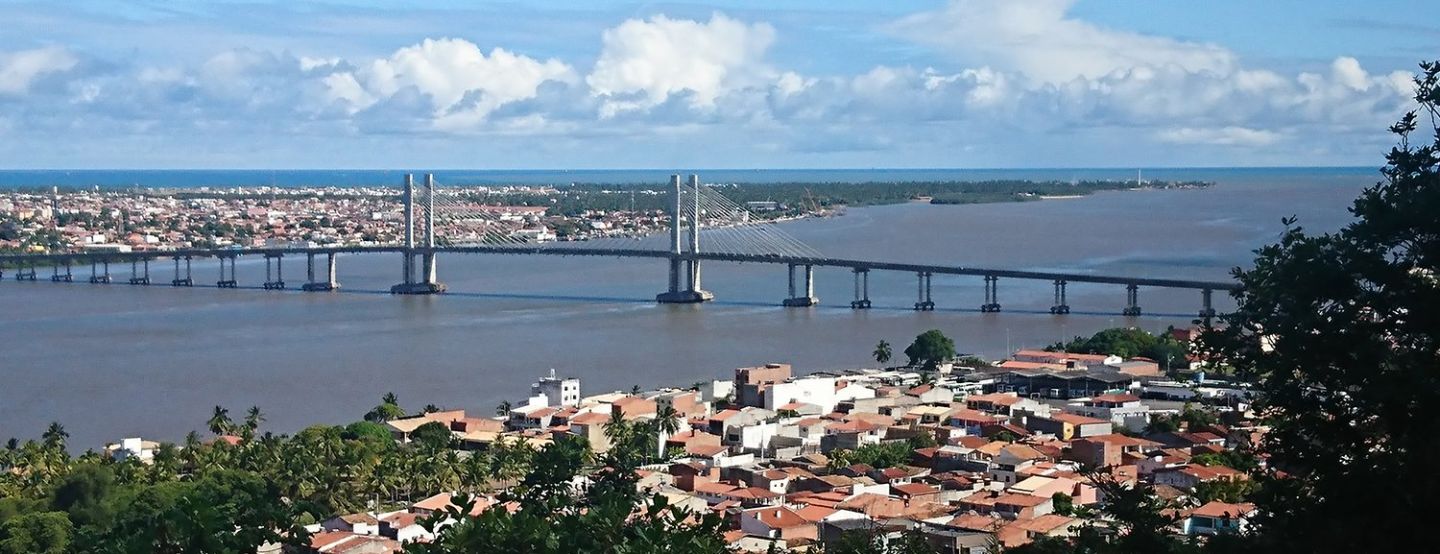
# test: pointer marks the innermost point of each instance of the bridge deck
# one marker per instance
(83, 258)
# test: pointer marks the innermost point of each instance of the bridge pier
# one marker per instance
(1207, 309)
(57, 277)
(278, 281)
(428, 283)
(923, 303)
(1060, 307)
(1132, 301)
(992, 295)
(23, 275)
(809, 299)
(320, 286)
(680, 266)
(100, 278)
(137, 278)
(862, 289)
(179, 281)
(227, 280)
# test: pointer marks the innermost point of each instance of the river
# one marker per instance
(117, 361)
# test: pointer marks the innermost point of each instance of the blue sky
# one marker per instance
(749, 83)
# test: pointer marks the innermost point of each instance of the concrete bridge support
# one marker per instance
(992, 295)
(808, 299)
(329, 283)
(427, 282)
(1207, 308)
(137, 277)
(58, 277)
(1132, 301)
(923, 303)
(277, 281)
(683, 268)
(1060, 307)
(227, 279)
(100, 276)
(182, 279)
(862, 289)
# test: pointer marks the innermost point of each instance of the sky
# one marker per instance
(565, 84)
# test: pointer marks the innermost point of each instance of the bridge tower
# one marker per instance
(682, 262)
(427, 283)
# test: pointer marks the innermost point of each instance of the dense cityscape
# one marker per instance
(573, 386)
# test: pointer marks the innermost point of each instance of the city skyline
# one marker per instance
(739, 84)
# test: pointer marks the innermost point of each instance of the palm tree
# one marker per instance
(254, 418)
(503, 410)
(54, 436)
(388, 409)
(882, 353)
(220, 423)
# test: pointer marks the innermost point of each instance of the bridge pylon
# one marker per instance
(682, 265)
(427, 283)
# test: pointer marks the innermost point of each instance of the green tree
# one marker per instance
(433, 436)
(1341, 333)
(930, 349)
(389, 409)
(55, 436)
(367, 431)
(882, 353)
(86, 495)
(220, 423)
(36, 533)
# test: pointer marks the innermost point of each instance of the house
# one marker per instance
(344, 542)
(752, 382)
(1005, 403)
(972, 421)
(1120, 409)
(1065, 426)
(915, 493)
(850, 435)
(777, 522)
(557, 392)
(1108, 450)
(135, 448)
(1010, 459)
(1218, 517)
(1048, 525)
(1187, 476)
(928, 393)
(359, 524)
(405, 528)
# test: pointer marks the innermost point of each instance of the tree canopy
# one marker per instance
(930, 349)
(1341, 333)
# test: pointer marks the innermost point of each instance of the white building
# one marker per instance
(557, 392)
(819, 391)
(137, 448)
(1121, 409)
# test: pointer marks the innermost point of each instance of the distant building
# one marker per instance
(557, 392)
(136, 448)
(751, 382)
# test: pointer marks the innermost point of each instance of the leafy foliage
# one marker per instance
(930, 349)
(1341, 334)
(1128, 342)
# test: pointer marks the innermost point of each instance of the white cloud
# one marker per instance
(1066, 84)
(1223, 136)
(462, 84)
(643, 62)
(18, 70)
(1038, 39)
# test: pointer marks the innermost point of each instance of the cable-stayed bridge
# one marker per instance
(703, 226)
